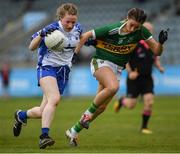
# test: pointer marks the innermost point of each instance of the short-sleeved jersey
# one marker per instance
(116, 47)
(63, 57)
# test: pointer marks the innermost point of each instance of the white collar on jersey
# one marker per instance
(61, 27)
(119, 31)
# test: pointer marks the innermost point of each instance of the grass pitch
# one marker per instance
(109, 133)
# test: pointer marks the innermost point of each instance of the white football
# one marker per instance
(55, 40)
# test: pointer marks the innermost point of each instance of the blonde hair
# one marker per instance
(68, 8)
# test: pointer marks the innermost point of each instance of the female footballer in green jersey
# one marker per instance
(115, 45)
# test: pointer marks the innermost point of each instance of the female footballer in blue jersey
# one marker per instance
(52, 70)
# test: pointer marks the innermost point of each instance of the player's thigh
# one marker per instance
(105, 72)
(50, 87)
(106, 77)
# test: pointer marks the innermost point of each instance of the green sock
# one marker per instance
(92, 108)
(77, 127)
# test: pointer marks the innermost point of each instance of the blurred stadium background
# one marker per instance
(19, 19)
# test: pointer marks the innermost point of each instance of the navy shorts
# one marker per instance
(60, 73)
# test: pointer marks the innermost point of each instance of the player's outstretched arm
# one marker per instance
(35, 43)
(83, 39)
(157, 47)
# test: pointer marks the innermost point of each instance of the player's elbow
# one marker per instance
(159, 49)
(32, 47)
(158, 52)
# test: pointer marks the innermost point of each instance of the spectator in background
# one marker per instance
(140, 81)
(52, 71)
(5, 74)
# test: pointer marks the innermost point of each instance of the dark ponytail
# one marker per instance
(137, 14)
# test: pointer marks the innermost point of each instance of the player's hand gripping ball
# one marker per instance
(55, 41)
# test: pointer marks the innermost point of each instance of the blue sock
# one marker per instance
(23, 115)
(45, 131)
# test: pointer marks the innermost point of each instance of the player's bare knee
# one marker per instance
(131, 106)
(130, 103)
(149, 104)
(113, 89)
(55, 99)
(39, 115)
(149, 101)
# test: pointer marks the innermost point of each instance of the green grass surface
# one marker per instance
(110, 133)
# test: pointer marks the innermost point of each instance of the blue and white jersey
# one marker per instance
(64, 57)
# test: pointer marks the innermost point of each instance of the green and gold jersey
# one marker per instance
(116, 47)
